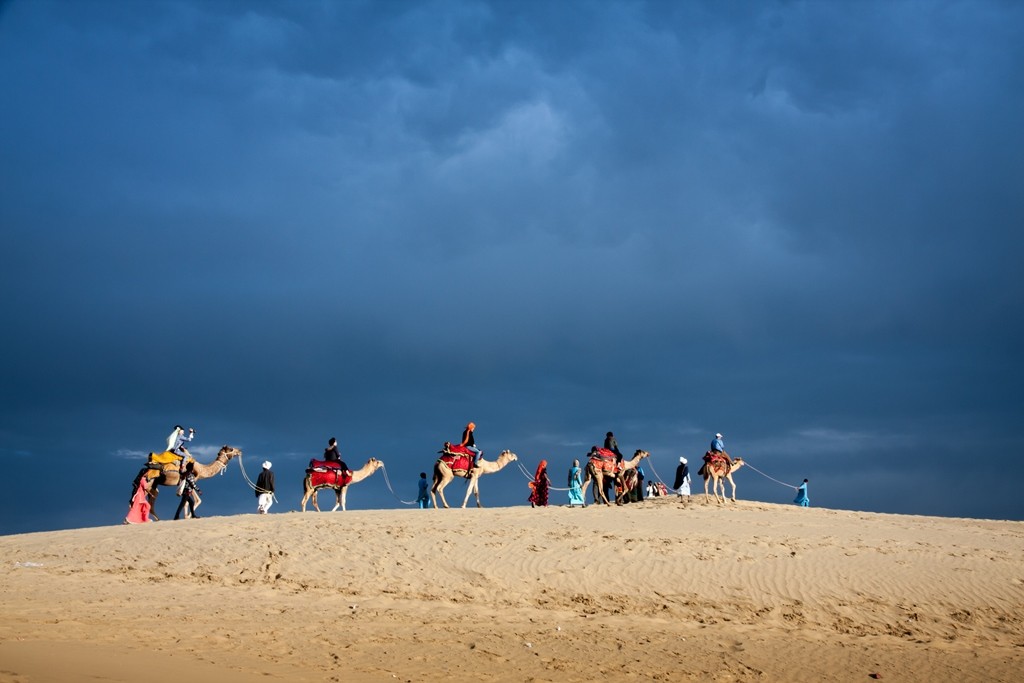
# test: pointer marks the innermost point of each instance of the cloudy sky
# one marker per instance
(799, 224)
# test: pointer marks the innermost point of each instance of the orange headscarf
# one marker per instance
(540, 468)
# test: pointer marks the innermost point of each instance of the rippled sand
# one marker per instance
(655, 591)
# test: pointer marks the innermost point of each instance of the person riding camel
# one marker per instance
(332, 454)
(469, 442)
(611, 444)
(176, 441)
(718, 451)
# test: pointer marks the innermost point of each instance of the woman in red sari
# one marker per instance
(539, 486)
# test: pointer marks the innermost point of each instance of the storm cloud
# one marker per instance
(798, 224)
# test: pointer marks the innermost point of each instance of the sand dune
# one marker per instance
(655, 591)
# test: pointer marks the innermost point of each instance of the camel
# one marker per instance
(719, 475)
(443, 475)
(340, 492)
(169, 475)
(597, 474)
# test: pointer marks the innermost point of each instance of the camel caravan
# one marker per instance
(605, 468)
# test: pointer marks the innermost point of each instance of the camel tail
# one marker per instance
(436, 477)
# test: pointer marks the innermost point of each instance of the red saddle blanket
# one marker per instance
(604, 460)
(458, 458)
(327, 473)
(715, 457)
(716, 460)
(456, 463)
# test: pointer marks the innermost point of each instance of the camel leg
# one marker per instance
(473, 487)
(154, 491)
(599, 489)
(598, 480)
(733, 482)
(342, 495)
(439, 486)
(707, 497)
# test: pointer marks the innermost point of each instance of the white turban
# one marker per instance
(266, 464)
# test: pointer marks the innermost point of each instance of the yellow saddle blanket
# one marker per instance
(164, 458)
(167, 461)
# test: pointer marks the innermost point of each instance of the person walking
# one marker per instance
(190, 499)
(422, 497)
(138, 513)
(801, 495)
(576, 486)
(265, 489)
(682, 481)
(539, 486)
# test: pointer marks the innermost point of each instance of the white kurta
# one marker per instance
(684, 490)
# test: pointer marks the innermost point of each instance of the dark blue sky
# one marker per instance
(799, 224)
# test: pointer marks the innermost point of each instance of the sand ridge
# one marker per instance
(652, 591)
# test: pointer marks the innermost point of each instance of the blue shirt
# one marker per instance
(717, 445)
(180, 440)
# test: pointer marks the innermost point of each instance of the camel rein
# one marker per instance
(526, 473)
(388, 482)
(745, 462)
(248, 480)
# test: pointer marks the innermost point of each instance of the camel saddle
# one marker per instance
(458, 458)
(460, 465)
(327, 473)
(604, 460)
(163, 462)
(715, 459)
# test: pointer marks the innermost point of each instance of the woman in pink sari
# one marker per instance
(138, 513)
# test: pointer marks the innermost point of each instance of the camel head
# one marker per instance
(509, 455)
(641, 454)
(228, 452)
(374, 464)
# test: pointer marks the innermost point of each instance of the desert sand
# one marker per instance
(653, 591)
